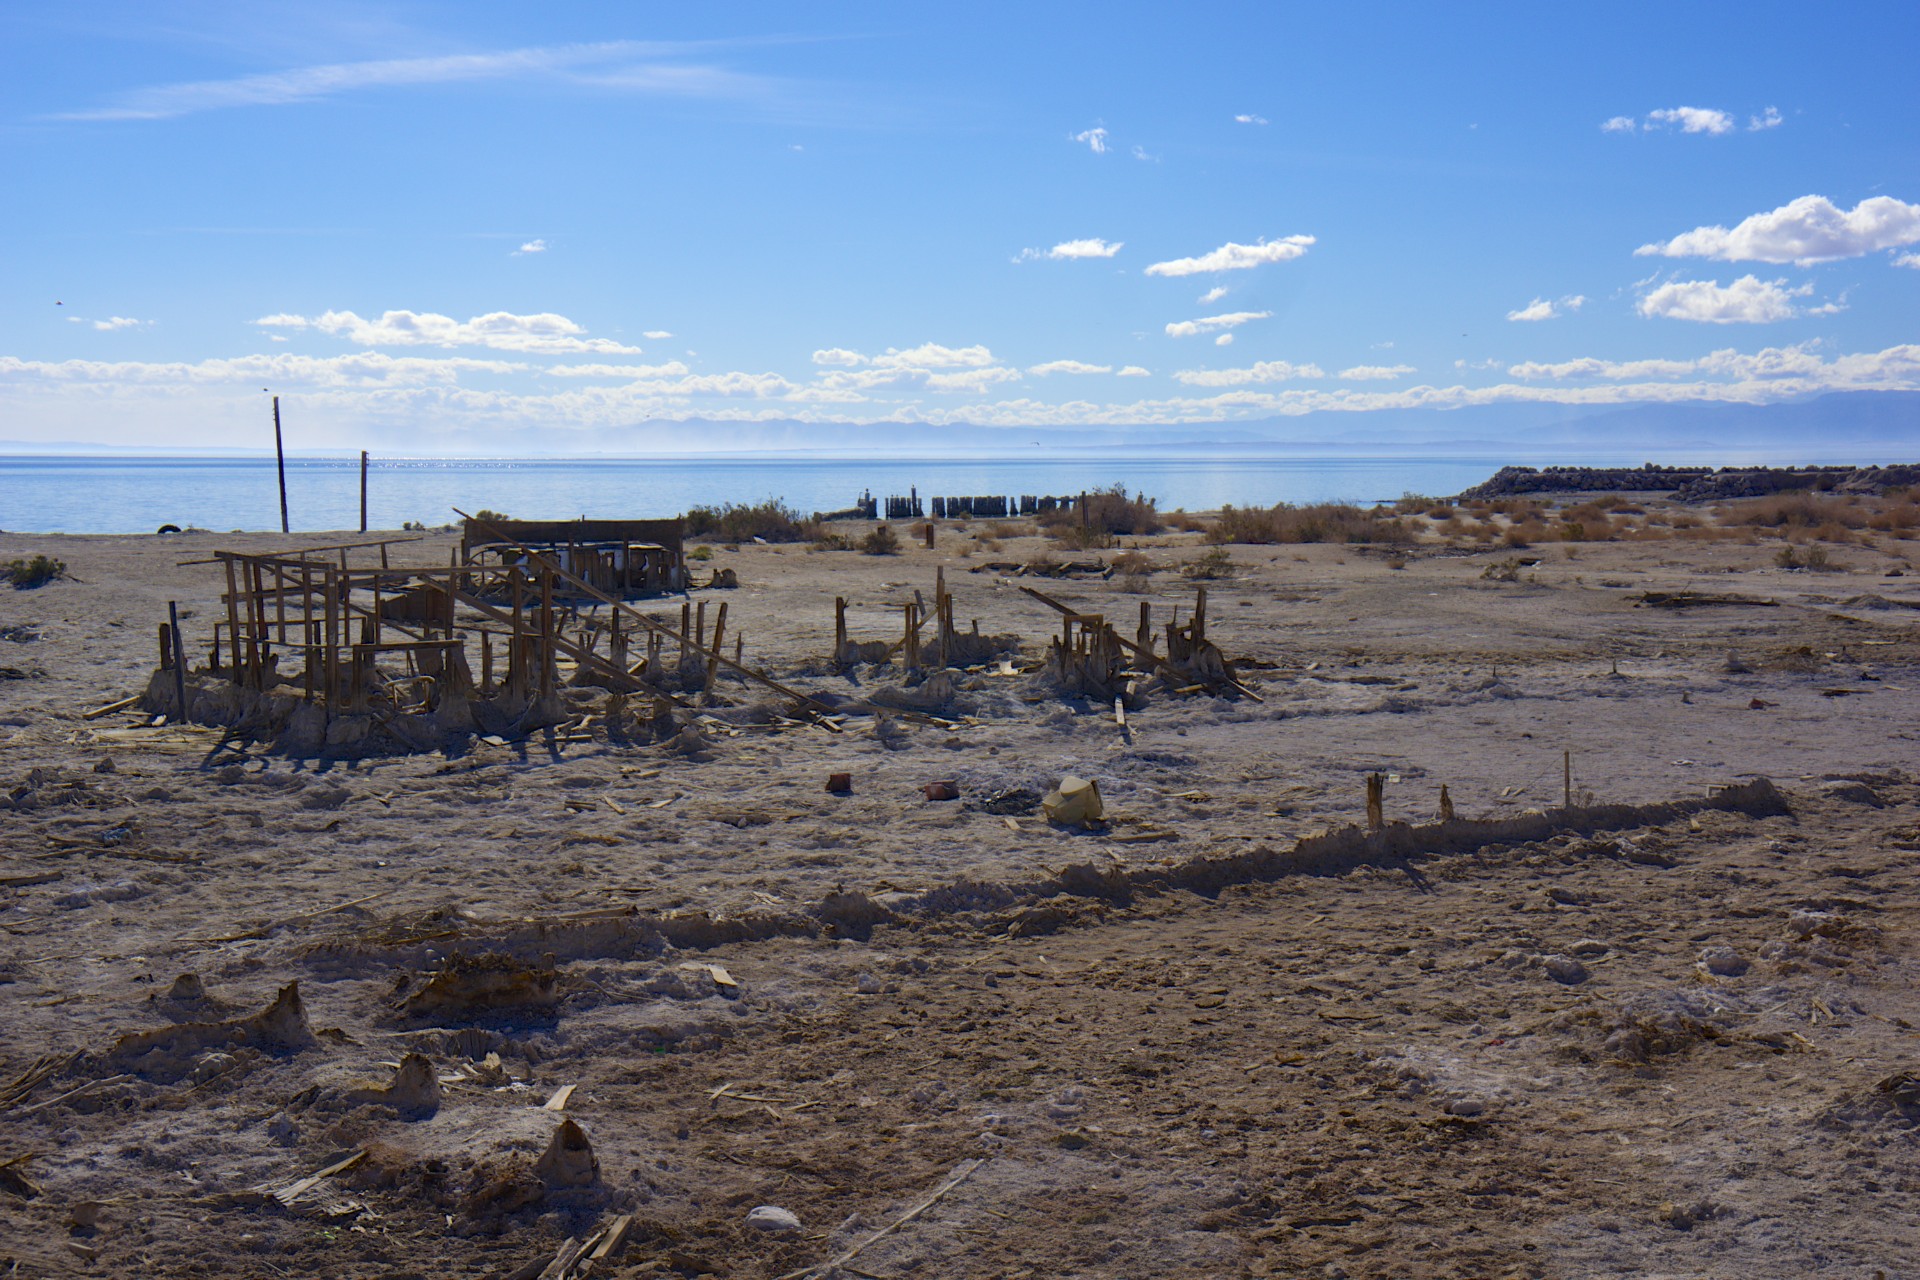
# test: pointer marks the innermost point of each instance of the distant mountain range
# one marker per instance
(1861, 427)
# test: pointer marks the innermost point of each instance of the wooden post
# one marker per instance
(1376, 789)
(700, 625)
(719, 632)
(331, 668)
(546, 633)
(929, 535)
(179, 659)
(739, 647)
(166, 647)
(686, 627)
(363, 498)
(839, 629)
(1144, 637)
(280, 453)
(1199, 625)
(1566, 779)
(233, 624)
(1446, 804)
(486, 662)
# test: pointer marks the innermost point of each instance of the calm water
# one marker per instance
(138, 495)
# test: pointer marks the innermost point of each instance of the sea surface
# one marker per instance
(139, 494)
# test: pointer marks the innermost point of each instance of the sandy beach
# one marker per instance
(1667, 1028)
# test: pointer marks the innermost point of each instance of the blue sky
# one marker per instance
(430, 226)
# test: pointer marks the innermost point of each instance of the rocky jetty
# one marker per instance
(1693, 484)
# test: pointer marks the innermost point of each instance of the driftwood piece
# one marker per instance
(823, 1268)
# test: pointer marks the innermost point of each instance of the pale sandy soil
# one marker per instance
(1368, 1071)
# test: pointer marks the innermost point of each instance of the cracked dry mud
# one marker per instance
(1683, 1047)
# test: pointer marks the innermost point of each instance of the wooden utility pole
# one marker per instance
(363, 491)
(280, 452)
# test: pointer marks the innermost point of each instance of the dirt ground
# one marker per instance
(1678, 1042)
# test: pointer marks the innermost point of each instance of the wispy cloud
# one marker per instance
(1095, 138)
(1804, 231)
(631, 65)
(1618, 124)
(110, 323)
(1692, 119)
(1261, 371)
(1748, 300)
(1213, 324)
(1770, 119)
(1067, 366)
(1547, 308)
(1376, 372)
(1069, 250)
(657, 335)
(543, 333)
(1249, 118)
(1235, 257)
(1134, 371)
(1212, 295)
(531, 246)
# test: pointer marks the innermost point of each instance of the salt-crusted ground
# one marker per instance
(1671, 1049)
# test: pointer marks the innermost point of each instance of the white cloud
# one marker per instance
(1547, 309)
(1692, 119)
(656, 335)
(543, 333)
(361, 369)
(671, 369)
(1235, 257)
(1134, 371)
(110, 323)
(1068, 366)
(1250, 119)
(1209, 324)
(1212, 295)
(1772, 119)
(1262, 371)
(1224, 340)
(531, 246)
(1376, 372)
(1805, 231)
(1141, 153)
(1908, 260)
(1748, 300)
(1069, 250)
(1801, 365)
(1096, 140)
(1617, 124)
(936, 367)
(629, 65)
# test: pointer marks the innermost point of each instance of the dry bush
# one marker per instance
(1317, 522)
(772, 520)
(1134, 569)
(1185, 523)
(1441, 511)
(1213, 563)
(1108, 510)
(1799, 510)
(986, 544)
(37, 572)
(1412, 504)
(882, 541)
(1523, 535)
(1074, 538)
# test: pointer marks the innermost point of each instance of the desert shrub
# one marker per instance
(1442, 511)
(1008, 529)
(986, 544)
(881, 541)
(824, 540)
(1134, 570)
(1185, 523)
(1109, 510)
(1213, 563)
(1317, 522)
(771, 520)
(491, 516)
(700, 553)
(1042, 562)
(1412, 504)
(37, 572)
(1507, 570)
(1072, 537)
(1896, 515)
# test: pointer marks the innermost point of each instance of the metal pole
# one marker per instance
(280, 452)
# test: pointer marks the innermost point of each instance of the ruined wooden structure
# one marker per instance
(1091, 658)
(626, 559)
(929, 637)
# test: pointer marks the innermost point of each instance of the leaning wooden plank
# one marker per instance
(111, 707)
(294, 1190)
(560, 1098)
(820, 1269)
